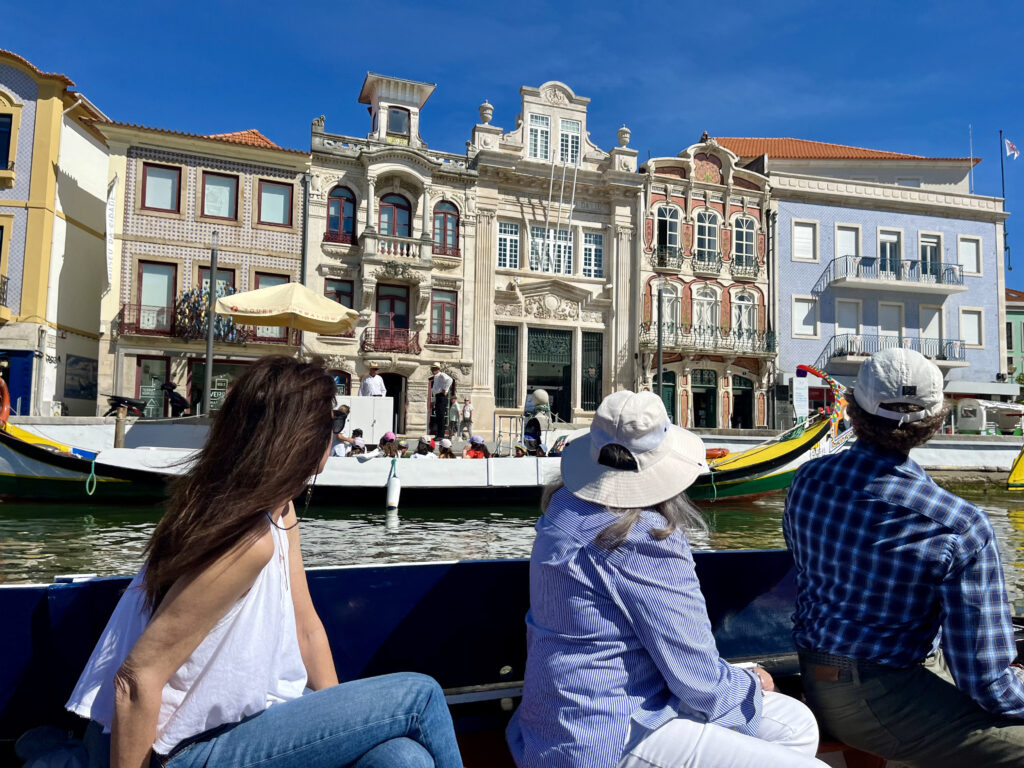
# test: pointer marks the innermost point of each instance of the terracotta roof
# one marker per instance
(251, 137)
(1012, 294)
(802, 149)
(21, 59)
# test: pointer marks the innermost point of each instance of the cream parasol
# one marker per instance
(290, 305)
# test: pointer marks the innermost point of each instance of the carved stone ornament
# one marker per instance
(592, 317)
(555, 96)
(394, 270)
(623, 135)
(318, 122)
(333, 270)
(550, 307)
(486, 113)
(508, 310)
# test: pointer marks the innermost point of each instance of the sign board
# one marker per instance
(801, 397)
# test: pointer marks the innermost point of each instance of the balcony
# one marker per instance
(396, 247)
(745, 270)
(905, 276)
(342, 238)
(446, 339)
(145, 320)
(678, 337)
(708, 264)
(183, 323)
(390, 340)
(667, 259)
(849, 348)
(439, 249)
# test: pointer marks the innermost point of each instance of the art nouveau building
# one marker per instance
(510, 265)
(171, 193)
(705, 252)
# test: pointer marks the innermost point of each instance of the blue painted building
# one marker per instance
(874, 250)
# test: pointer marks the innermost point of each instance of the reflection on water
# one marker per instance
(39, 541)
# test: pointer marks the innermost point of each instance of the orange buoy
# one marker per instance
(715, 453)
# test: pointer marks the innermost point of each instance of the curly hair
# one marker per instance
(888, 434)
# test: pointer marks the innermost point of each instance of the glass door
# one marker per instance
(156, 296)
(151, 374)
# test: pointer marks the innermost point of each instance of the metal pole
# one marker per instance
(211, 316)
(661, 322)
(1002, 178)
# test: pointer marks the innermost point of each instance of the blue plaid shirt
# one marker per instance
(614, 637)
(885, 558)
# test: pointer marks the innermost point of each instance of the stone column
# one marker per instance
(483, 303)
(370, 203)
(627, 296)
(427, 233)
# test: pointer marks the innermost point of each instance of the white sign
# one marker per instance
(801, 397)
(111, 190)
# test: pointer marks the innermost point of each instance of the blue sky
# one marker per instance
(900, 76)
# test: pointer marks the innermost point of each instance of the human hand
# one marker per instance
(767, 684)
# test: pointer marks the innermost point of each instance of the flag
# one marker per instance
(1011, 149)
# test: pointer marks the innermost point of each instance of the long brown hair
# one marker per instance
(265, 444)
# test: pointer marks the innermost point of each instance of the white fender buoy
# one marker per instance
(394, 488)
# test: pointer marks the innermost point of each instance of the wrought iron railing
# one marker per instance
(183, 322)
(706, 263)
(145, 320)
(680, 336)
(865, 344)
(745, 269)
(390, 340)
(345, 238)
(902, 270)
(448, 339)
(667, 257)
(440, 249)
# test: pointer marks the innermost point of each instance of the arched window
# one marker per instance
(668, 318)
(744, 317)
(705, 311)
(743, 233)
(707, 237)
(341, 216)
(395, 216)
(668, 232)
(446, 229)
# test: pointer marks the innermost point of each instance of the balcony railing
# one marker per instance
(3, 290)
(679, 336)
(390, 340)
(895, 270)
(745, 270)
(667, 258)
(866, 344)
(707, 263)
(345, 238)
(448, 339)
(273, 335)
(146, 320)
(439, 249)
(398, 247)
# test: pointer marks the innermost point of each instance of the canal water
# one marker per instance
(38, 541)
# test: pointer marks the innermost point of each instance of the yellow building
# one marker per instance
(52, 267)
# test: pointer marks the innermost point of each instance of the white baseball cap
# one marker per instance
(899, 376)
(668, 458)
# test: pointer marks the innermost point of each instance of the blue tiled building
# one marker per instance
(875, 249)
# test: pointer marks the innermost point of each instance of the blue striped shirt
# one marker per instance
(885, 558)
(614, 636)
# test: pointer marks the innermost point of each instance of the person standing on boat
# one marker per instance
(622, 669)
(215, 654)
(372, 384)
(887, 563)
(439, 389)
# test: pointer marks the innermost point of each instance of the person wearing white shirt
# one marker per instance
(372, 384)
(466, 419)
(439, 390)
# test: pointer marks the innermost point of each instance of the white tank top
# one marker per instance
(249, 661)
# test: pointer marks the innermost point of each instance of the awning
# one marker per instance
(982, 388)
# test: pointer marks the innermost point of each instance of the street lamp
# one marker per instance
(210, 317)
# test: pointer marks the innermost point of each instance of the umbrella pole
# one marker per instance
(211, 315)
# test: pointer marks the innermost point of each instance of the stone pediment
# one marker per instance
(551, 299)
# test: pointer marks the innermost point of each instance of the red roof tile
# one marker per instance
(251, 137)
(1012, 294)
(22, 60)
(803, 149)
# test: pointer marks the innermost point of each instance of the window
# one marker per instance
(508, 245)
(931, 330)
(551, 254)
(442, 317)
(707, 236)
(157, 284)
(341, 216)
(161, 187)
(847, 242)
(540, 136)
(805, 317)
(225, 279)
(593, 254)
(668, 230)
(275, 204)
(744, 315)
(398, 121)
(706, 310)
(805, 241)
(220, 196)
(506, 365)
(446, 229)
(971, 328)
(969, 255)
(341, 291)
(569, 141)
(395, 216)
(890, 325)
(1009, 337)
(931, 248)
(342, 381)
(848, 325)
(6, 133)
(392, 307)
(890, 253)
(744, 229)
(267, 332)
(593, 359)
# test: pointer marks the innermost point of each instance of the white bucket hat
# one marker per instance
(899, 376)
(668, 458)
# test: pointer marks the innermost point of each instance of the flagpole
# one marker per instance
(1002, 177)
(970, 145)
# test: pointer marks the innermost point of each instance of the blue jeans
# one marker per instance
(392, 721)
